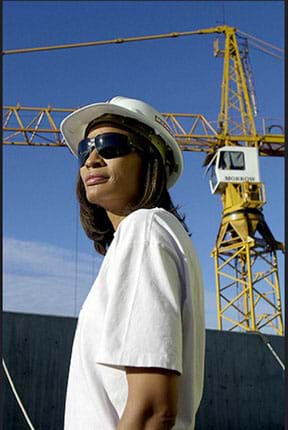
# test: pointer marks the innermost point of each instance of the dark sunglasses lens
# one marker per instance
(108, 145)
(112, 145)
(84, 149)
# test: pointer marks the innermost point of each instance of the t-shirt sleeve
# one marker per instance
(142, 323)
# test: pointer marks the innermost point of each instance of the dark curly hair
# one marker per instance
(154, 193)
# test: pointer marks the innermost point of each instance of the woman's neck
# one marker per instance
(115, 219)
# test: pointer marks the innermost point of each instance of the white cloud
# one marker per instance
(42, 278)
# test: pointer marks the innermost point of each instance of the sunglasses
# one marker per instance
(107, 145)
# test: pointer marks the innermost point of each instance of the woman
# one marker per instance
(138, 353)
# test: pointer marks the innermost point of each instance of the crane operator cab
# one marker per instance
(233, 164)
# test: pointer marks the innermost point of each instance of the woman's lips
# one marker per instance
(95, 179)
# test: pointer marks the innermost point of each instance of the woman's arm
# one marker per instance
(152, 399)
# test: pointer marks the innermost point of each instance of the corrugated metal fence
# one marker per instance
(244, 383)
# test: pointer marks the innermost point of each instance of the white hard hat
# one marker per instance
(74, 125)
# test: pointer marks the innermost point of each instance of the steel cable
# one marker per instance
(17, 396)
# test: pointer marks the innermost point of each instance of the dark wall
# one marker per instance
(244, 384)
(36, 350)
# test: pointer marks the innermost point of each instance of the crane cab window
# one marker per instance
(231, 160)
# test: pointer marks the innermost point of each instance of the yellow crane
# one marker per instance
(245, 253)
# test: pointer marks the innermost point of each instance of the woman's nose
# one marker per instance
(94, 159)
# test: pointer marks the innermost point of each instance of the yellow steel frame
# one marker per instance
(39, 126)
(246, 269)
(236, 116)
(247, 283)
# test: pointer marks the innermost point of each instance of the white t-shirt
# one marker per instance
(146, 309)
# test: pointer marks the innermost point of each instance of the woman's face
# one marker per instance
(111, 183)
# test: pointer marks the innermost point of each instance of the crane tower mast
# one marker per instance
(246, 268)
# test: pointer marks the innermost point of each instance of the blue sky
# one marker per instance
(49, 264)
